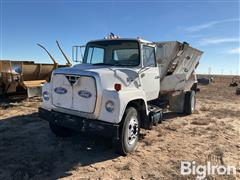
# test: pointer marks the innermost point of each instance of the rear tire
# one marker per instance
(129, 132)
(59, 131)
(190, 102)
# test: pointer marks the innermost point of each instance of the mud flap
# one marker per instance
(176, 102)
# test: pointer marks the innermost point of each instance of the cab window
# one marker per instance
(149, 56)
(95, 55)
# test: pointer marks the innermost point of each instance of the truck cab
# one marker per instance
(116, 90)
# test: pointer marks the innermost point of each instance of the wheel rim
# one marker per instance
(132, 130)
(193, 103)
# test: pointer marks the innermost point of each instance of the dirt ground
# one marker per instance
(28, 149)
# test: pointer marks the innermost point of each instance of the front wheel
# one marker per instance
(129, 132)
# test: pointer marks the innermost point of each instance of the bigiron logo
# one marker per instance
(202, 171)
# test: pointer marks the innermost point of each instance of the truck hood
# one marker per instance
(108, 75)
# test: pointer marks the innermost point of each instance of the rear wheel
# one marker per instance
(190, 102)
(129, 132)
(59, 131)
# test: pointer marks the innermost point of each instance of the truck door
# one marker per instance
(150, 77)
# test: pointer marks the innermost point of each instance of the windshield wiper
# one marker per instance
(124, 64)
(116, 64)
(103, 64)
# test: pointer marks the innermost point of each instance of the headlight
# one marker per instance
(109, 106)
(46, 95)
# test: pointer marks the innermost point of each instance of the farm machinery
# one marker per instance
(21, 77)
(235, 81)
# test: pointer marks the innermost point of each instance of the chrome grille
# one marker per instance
(72, 79)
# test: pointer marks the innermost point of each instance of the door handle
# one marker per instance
(157, 77)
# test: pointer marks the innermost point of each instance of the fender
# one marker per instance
(121, 99)
(131, 95)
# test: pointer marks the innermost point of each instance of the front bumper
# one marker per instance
(80, 124)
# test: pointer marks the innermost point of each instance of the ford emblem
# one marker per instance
(84, 94)
(60, 90)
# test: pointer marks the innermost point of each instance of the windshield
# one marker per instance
(113, 52)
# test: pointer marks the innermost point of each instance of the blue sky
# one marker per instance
(211, 26)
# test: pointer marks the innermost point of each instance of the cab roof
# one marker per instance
(122, 39)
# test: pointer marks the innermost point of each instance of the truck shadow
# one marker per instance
(171, 115)
(28, 149)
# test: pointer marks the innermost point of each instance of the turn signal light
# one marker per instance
(117, 87)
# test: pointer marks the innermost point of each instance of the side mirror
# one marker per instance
(78, 53)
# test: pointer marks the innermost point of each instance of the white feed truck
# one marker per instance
(121, 85)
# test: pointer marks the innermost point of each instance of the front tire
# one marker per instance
(129, 132)
(59, 131)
